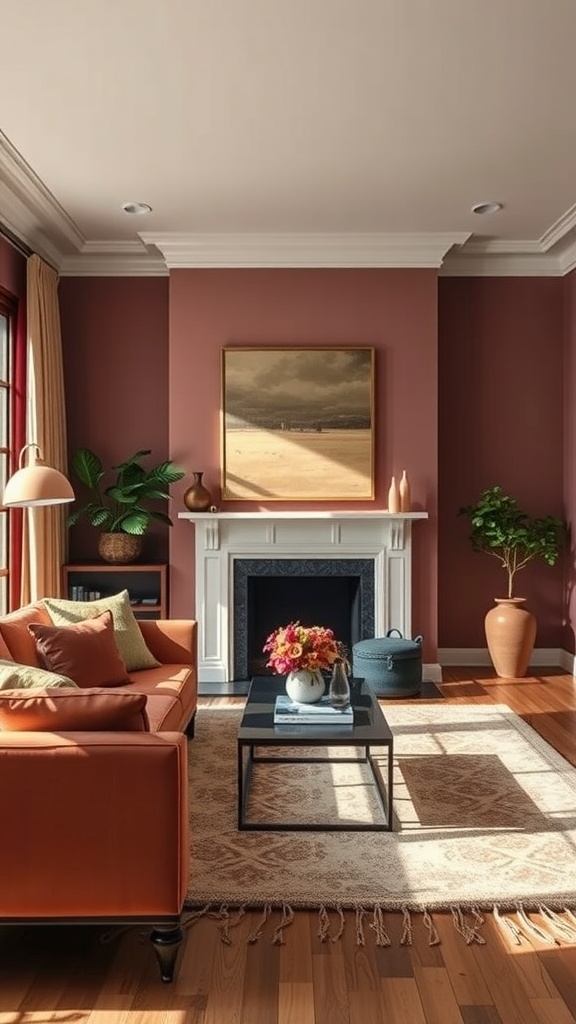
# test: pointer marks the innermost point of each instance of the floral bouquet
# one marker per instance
(295, 647)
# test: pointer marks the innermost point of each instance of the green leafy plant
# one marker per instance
(502, 529)
(124, 505)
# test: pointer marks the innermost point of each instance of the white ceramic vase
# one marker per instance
(305, 686)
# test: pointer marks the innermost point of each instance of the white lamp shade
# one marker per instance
(36, 484)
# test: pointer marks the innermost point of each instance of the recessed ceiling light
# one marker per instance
(136, 208)
(484, 208)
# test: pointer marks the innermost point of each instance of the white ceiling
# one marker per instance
(290, 133)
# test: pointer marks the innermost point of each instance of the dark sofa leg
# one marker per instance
(190, 727)
(166, 942)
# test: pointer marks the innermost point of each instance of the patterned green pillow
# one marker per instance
(28, 677)
(127, 632)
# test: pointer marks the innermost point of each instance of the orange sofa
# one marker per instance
(94, 824)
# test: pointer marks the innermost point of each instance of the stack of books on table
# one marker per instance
(322, 712)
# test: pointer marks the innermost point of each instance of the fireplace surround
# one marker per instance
(370, 549)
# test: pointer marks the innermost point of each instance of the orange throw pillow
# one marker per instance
(85, 652)
(73, 711)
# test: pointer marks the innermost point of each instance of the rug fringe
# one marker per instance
(406, 936)
(469, 932)
(556, 927)
(508, 926)
(286, 920)
(324, 924)
(382, 937)
(359, 929)
(558, 924)
(533, 928)
(433, 937)
(257, 933)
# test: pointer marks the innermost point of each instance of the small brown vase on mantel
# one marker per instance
(197, 498)
(510, 635)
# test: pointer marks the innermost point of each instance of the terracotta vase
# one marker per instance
(510, 634)
(197, 498)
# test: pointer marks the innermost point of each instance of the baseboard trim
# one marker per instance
(480, 656)
(432, 672)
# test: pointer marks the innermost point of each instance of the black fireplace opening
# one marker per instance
(268, 593)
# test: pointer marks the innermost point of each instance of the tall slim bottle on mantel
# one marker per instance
(394, 496)
(404, 489)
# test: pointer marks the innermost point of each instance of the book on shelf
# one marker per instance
(322, 712)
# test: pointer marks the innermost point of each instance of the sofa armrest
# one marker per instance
(171, 641)
(94, 824)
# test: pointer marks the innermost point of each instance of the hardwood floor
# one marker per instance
(70, 975)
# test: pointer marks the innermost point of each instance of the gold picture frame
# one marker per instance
(298, 424)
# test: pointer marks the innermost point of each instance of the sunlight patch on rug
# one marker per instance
(484, 815)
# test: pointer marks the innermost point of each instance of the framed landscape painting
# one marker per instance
(298, 424)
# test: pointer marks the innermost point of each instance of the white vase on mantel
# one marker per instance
(394, 496)
(305, 686)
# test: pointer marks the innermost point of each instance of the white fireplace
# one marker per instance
(225, 540)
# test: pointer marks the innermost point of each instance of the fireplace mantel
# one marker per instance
(223, 537)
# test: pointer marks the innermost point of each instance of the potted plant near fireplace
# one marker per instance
(502, 529)
(124, 509)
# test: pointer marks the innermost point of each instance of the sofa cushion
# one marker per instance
(85, 651)
(73, 710)
(29, 677)
(177, 681)
(128, 635)
(14, 630)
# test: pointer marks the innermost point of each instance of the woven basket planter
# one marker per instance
(119, 548)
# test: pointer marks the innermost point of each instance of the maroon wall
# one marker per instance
(500, 373)
(12, 269)
(115, 345)
(395, 311)
(569, 624)
(479, 404)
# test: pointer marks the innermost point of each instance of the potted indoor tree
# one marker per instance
(502, 529)
(123, 510)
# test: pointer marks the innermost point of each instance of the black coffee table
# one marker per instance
(257, 731)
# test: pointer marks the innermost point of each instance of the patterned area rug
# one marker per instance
(485, 818)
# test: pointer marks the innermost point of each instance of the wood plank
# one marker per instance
(366, 1007)
(552, 1011)
(480, 1015)
(401, 1000)
(260, 994)
(561, 966)
(507, 993)
(296, 1002)
(330, 994)
(437, 995)
(296, 953)
(466, 979)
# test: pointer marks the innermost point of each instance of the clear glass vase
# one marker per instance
(339, 690)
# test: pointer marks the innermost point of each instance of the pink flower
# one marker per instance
(294, 647)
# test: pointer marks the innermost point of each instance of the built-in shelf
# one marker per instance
(146, 585)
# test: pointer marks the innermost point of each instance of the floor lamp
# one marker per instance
(35, 483)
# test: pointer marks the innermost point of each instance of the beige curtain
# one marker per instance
(45, 529)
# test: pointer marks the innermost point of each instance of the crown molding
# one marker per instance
(30, 211)
(502, 258)
(113, 259)
(558, 231)
(303, 250)
(503, 266)
(31, 214)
